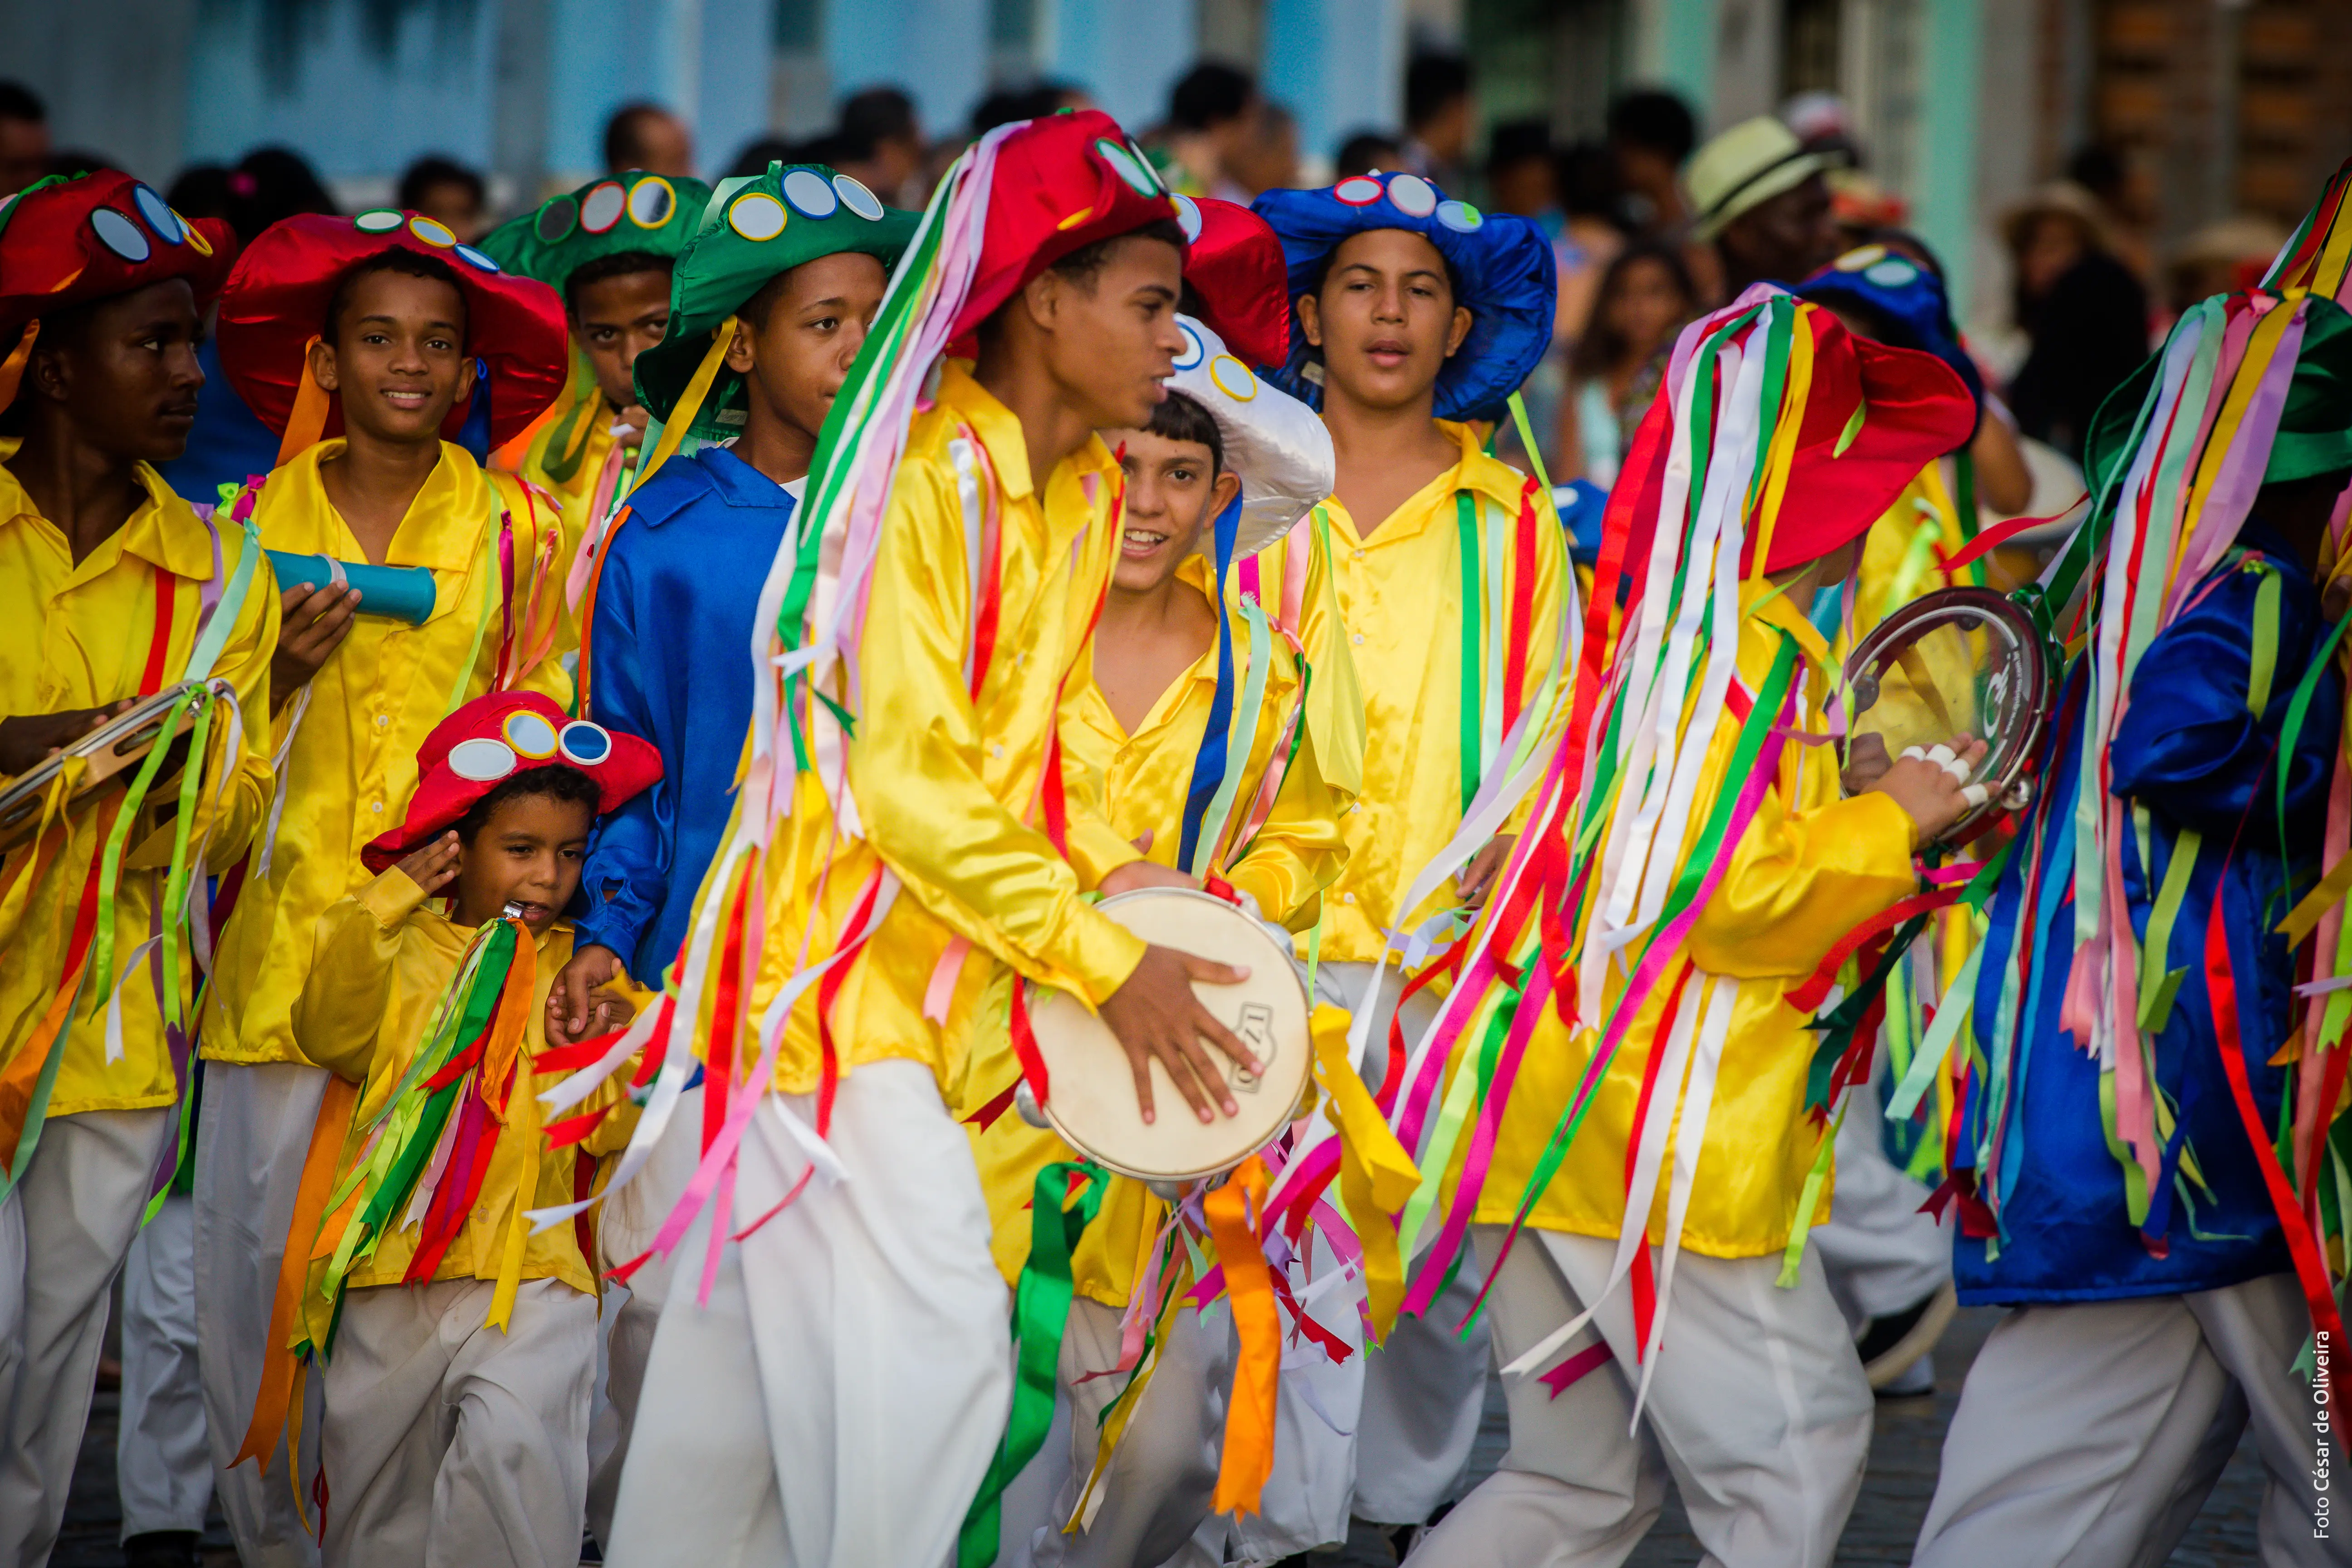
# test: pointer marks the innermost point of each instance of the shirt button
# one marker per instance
(1347, 897)
(382, 719)
(996, 748)
(377, 808)
(1359, 555)
(1359, 639)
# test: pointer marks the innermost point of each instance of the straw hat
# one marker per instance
(1743, 168)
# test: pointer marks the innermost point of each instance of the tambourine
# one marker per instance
(1091, 1098)
(113, 749)
(1959, 661)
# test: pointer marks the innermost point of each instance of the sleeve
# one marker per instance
(244, 663)
(1553, 600)
(626, 875)
(2189, 745)
(1299, 850)
(1799, 881)
(348, 995)
(915, 769)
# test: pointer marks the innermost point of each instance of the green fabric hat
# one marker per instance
(611, 216)
(753, 229)
(2314, 430)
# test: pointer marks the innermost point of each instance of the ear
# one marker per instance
(1041, 298)
(322, 365)
(1459, 331)
(1221, 493)
(49, 373)
(466, 377)
(1311, 319)
(740, 354)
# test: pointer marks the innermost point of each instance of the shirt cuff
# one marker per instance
(1098, 953)
(392, 897)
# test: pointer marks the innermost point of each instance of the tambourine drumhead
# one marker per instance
(1091, 1089)
(1961, 661)
(113, 749)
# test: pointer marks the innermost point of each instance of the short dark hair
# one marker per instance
(1009, 104)
(393, 259)
(201, 190)
(878, 114)
(431, 169)
(18, 101)
(1180, 418)
(1086, 263)
(1432, 82)
(622, 146)
(1652, 117)
(1366, 150)
(1590, 185)
(2099, 169)
(1519, 141)
(553, 781)
(1210, 94)
(270, 184)
(620, 263)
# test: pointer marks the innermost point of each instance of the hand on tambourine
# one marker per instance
(1866, 762)
(30, 741)
(1931, 784)
(572, 1005)
(313, 619)
(1155, 1013)
(1137, 874)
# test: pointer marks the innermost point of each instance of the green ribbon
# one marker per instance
(1465, 524)
(1041, 1310)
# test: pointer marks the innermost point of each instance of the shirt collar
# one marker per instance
(736, 483)
(1490, 479)
(442, 525)
(164, 530)
(999, 430)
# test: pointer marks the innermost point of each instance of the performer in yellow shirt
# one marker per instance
(458, 1346)
(942, 588)
(1415, 315)
(111, 589)
(1223, 469)
(1651, 1114)
(370, 324)
(607, 248)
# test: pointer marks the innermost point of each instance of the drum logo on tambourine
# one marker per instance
(1257, 1032)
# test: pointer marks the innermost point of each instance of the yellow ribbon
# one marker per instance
(690, 403)
(1376, 1176)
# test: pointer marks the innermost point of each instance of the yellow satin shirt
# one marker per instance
(386, 957)
(1809, 868)
(1293, 856)
(947, 787)
(573, 495)
(1400, 598)
(80, 635)
(352, 764)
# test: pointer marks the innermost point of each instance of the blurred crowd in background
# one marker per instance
(2091, 293)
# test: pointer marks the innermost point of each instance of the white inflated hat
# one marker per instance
(1274, 443)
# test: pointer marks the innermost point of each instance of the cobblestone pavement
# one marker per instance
(1885, 1522)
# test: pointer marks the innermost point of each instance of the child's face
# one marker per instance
(798, 358)
(1385, 318)
(1174, 490)
(1113, 338)
(398, 360)
(618, 319)
(528, 853)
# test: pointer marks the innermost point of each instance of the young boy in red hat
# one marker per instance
(110, 589)
(838, 1397)
(1655, 1129)
(362, 342)
(458, 1344)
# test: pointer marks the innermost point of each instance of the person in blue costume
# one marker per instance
(766, 320)
(2151, 1323)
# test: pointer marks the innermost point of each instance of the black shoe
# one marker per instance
(1889, 1345)
(161, 1549)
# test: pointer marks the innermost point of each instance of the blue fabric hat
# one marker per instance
(1906, 296)
(1510, 281)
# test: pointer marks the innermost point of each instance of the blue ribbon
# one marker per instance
(1208, 766)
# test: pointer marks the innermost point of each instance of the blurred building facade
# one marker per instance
(1960, 106)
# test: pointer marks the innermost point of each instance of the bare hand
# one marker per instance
(1156, 1014)
(433, 867)
(312, 622)
(1934, 795)
(572, 1006)
(607, 1010)
(629, 429)
(1866, 762)
(1477, 879)
(1137, 874)
(28, 742)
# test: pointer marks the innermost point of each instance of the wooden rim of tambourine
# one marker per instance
(2017, 735)
(114, 749)
(1091, 1100)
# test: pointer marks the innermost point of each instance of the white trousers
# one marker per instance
(627, 1224)
(1757, 1407)
(1880, 1253)
(837, 1402)
(256, 1124)
(2089, 1434)
(452, 1444)
(1161, 1481)
(64, 1231)
(162, 1466)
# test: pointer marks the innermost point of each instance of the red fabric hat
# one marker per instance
(277, 304)
(1234, 264)
(64, 242)
(1063, 181)
(492, 739)
(1911, 410)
